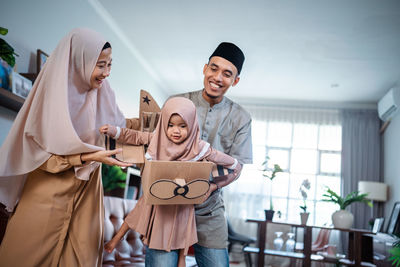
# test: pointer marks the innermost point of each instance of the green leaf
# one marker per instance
(7, 53)
(113, 177)
(355, 196)
(3, 31)
(395, 258)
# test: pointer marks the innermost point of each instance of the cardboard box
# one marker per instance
(129, 154)
(175, 182)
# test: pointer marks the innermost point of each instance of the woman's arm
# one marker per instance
(104, 156)
(57, 163)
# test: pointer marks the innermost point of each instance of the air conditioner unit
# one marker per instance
(389, 104)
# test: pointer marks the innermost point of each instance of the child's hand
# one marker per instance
(108, 130)
(110, 245)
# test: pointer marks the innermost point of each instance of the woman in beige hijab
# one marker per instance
(168, 230)
(50, 161)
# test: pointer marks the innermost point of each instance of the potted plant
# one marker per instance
(270, 174)
(395, 254)
(114, 180)
(6, 51)
(304, 187)
(343, 218)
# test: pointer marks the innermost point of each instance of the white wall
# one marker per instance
(7, 117)
(391, 163)
(42, 23)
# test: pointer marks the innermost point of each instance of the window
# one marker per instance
(304, 150)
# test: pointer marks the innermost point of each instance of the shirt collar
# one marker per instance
(205, 103)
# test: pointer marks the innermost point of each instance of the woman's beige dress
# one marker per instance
(57, 220)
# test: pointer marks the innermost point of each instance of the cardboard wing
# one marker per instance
(149, 113)
(129, 154)
(175, 182)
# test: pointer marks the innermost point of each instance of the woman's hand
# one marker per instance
(104, 156)
(108, 130)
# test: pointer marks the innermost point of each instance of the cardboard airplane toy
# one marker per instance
(165, 182)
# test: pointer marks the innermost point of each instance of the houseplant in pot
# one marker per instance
(395, 254)
(270, 174)
(343, 218)
(6, 51)
(304, 187)
(114, 180)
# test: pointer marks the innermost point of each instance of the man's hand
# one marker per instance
(108, 130)
(212, 188)
(104, 156)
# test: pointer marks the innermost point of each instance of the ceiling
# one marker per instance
(306, 50)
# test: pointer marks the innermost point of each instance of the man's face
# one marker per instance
(219, 75)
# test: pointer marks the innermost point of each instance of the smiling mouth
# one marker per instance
(214, 86)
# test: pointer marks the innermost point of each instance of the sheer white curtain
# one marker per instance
(300, 140)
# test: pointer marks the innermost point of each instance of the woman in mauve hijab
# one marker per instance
(50, 161)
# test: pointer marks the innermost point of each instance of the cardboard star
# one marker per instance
(146, 100)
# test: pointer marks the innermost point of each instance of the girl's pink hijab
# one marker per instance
(192, 149)
(61, 115)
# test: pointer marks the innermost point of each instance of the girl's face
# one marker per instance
(177, 130)
(102, 69)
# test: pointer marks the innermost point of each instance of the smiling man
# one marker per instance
(227, 127)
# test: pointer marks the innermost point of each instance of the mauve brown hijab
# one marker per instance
(192, 148)
(61, 114)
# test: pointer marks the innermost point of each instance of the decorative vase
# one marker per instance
(269, 214)
(290, 242)
(278, 241)
(342, 219)
(304, 217)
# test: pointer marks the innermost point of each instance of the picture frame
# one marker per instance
(41, 58)
(393, 227)
(20, 85)
(378, 223)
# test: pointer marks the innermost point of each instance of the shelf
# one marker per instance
(300, 256)
(287, 254)
(351, 263)
(10, 100)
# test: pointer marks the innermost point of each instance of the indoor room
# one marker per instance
(294, 103)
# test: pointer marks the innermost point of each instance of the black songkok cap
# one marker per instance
(231, 53)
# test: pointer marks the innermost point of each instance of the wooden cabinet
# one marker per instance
(359, 252)
(10, 100)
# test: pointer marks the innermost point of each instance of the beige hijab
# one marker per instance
(61, 114)
(192, 149)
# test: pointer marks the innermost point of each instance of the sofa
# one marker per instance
(130, 252)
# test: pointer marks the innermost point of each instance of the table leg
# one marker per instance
(307, 239)
(357, 248)
(262, 231)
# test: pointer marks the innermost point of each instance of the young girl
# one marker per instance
(168, 230)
